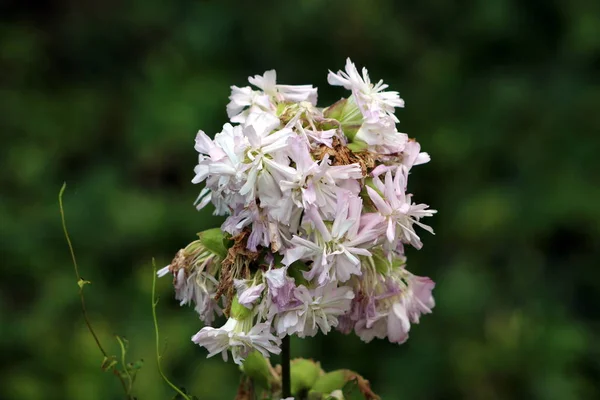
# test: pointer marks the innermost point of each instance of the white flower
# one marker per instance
(262, 142)
(382, 137)
(314, 184)
(245, 101)
(292, 93)
(239, 337)
(316, 309)
(220, 165)
(374, 103)
(246, 97)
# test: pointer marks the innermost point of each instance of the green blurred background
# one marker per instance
(108, 96)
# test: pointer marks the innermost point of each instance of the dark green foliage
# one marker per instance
(107, 96)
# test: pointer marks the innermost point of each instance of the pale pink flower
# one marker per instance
(248, 293)
(334, 251)
(316, 309)
(416, 299)
(396, 207)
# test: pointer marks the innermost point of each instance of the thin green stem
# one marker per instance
(158, 355)
(123, 351)
(285, 367)
(81, 283)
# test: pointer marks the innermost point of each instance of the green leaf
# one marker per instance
(108, 363)
(134, 366)
(81, 283)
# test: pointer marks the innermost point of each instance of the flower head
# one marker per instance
(317, 216)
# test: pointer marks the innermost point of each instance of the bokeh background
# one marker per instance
(108, 96)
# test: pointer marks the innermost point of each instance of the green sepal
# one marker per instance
(257, 368)
(350, 130)
(335, 111)
(213, 240)
(357, 146)
(238, 311)
(382, 264)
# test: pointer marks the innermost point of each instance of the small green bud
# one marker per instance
(304, 374)
(238, 311)
(213, 240)
(257, 368)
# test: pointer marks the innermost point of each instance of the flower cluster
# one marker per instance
(318, 215)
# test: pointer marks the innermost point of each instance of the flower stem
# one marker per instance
(285, 367)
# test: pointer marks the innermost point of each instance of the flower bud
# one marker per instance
(348, 114)
(258, 369)
(331, 381)
(304, 374)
